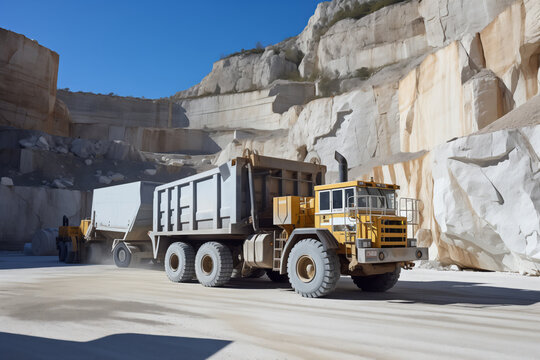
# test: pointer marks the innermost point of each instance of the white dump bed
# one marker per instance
(218, 203)
(123, 211)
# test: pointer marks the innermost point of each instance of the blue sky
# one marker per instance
(149, 48)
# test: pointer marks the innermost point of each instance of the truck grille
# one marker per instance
(393, 231)
(393, 222)
(393, 239)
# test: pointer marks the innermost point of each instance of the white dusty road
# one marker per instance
(49, 311)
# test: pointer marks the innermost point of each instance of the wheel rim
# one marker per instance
(174, 262)
(305, 268)
(207, 264)
(122, 255)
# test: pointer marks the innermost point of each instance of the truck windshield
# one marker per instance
(381, 198)
(390, 196)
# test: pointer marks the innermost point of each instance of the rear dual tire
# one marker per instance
(213, 264)
(70, 254)
(62, 251)
(180, 262)
(276, 277)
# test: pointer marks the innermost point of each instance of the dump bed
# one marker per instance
(123, 211)
(217, 203)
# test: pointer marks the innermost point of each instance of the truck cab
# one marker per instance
(370, 232)
(365, 214)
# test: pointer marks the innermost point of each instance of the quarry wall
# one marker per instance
(438, 96)
(25, 209)
(28, 73)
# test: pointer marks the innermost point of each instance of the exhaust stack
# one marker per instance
(343, 167)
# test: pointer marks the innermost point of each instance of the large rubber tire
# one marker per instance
(180, 262)
(276, 277)
(122, 255)
(251, 273)
(70, 254)
(313, 271)
(213, 264)
(256, 273)
(62, 251)
(377, 283)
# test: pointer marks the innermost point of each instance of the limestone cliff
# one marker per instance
(461, 66)
(438, 96)
(28, 73)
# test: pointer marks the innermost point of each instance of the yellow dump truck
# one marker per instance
(257, 212)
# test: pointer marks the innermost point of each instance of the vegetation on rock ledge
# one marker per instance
(258, 49)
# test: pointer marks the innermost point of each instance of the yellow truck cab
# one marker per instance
(364, 215)
(356, 228)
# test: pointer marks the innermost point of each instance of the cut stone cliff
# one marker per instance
(28, 73)
(437, 96)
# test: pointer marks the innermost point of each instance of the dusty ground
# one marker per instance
(98, 311)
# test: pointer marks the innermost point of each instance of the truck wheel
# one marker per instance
(180, 262)
(121, 255)
(313, 271)
(251, 274)
(213, 264)
(377, 283)
(62, 251)
(276, 277)
(70, 254)
(256, 273)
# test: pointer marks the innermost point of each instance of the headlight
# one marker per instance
(411, 242)
(363, 243)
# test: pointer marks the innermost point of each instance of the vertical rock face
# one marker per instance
(118, 112)
(450, 95)
(387, 36)
(449, 20)
(28, 73)
(344, 123)
(437, 71)
(23, 210)
(431, 102)
(482, 99)
(170, 140)
(486, 200)
(511, 46)
(245, 72)
(413, 173)
(260, 110)
(148, 125)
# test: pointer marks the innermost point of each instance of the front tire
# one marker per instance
(313, 271)
(70, 254)
(276, 277)
(180, 262)
(213, 264)
(377, 283)
(62, 251)
(122, 255)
